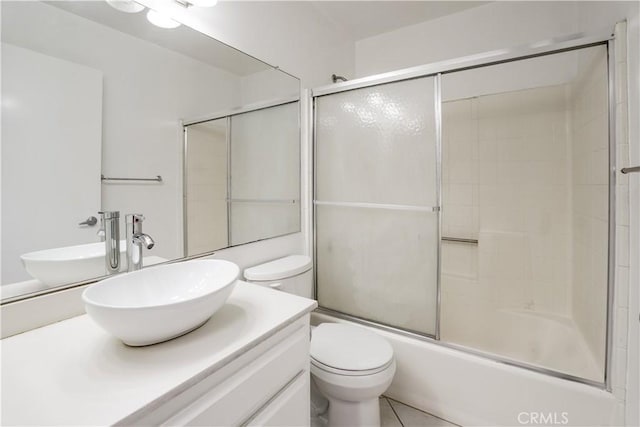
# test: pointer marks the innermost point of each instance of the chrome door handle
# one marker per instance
(91, 221)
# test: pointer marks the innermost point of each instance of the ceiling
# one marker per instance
(353, 20)
(183, 40)
(362, 19)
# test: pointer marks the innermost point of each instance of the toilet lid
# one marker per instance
(349, 348)
(278, 269)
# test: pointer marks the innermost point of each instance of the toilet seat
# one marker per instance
(348, 350)
(347, 372)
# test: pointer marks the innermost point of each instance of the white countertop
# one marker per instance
(74, 373)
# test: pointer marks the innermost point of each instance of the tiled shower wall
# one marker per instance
(506, 183)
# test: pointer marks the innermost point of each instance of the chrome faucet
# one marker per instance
(111, 222)
(136, 239)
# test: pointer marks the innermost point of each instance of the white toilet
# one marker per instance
(351, 366)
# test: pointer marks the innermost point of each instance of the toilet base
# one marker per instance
(364, 413)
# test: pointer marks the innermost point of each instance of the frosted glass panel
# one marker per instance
(378, 261)
(257, 221)
(377, 144)
(265, 174)
(265, 154)
(378, 264)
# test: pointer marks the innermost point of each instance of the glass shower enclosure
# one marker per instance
(470, 203)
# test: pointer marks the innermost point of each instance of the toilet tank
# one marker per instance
(292, 274)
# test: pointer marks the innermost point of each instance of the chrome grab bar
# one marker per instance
(458, 240)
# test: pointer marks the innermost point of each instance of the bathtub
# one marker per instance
(472, 390)
(550, 342)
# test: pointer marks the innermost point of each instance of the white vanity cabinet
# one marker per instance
(268, 385)
(248, 365)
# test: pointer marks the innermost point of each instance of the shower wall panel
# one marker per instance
(506, 182)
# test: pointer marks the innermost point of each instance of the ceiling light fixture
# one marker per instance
(128, 6)
(161, 20)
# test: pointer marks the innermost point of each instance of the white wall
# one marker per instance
(267, 86)
(141, 135)
(43, 200)
(492, 26)
(289, 34)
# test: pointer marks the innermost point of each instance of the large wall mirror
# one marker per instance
(102, 111)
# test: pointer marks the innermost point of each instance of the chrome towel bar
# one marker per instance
(630, 169)
(158, 178)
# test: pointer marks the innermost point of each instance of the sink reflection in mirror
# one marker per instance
(129, 88)
(70, 264)
(50, 268)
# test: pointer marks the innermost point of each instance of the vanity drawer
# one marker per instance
(290, 407)
(237, 398)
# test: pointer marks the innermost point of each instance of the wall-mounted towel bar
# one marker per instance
(631, 169)
(286, 201)
(158, 178)
(457, 240)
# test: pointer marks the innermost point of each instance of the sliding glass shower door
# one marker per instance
(475, 204)
(377, 204)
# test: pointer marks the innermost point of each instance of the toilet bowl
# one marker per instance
(351, 367)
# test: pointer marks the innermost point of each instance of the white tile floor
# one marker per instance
(396, 414)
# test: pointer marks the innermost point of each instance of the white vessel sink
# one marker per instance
(157, 304)
(69, 264)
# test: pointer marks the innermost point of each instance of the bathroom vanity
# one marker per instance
(249, 364)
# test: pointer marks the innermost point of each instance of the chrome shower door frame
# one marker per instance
(436, 70)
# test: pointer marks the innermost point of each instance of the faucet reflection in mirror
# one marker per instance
(111, 222)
